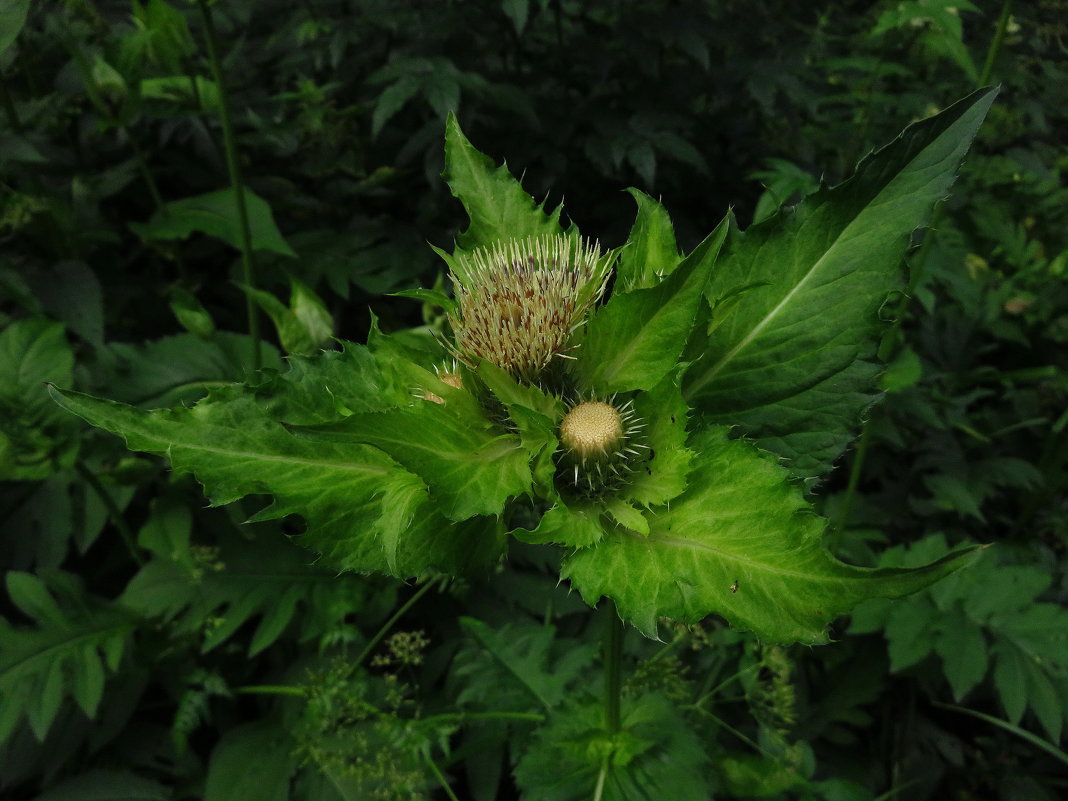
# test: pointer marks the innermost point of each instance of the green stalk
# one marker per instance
(464, 717)
(9, 107)
(233, 164)
(440, 777)
(613, 668)
(851, 489)
(996, 44)
(1023, 734)
(114, 513)
(366, 652)
(271, 689)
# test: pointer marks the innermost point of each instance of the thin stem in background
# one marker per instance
(996, 45)
(440, 777)
(233, 164)
(613, 668)
(1023, 734)
(271, 689)
(366, 652)
(114, 513)
(9, 107)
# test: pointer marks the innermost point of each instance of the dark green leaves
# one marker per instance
(216, 214)
(654, 755)
(793, 363)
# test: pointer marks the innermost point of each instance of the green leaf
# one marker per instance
(32, 352)
(651, 252)
(266, 578)
(741, 542)
(12, 19)
(253, 761)
(655, 755)
(434, 297)
(794, 363)
(215, 214)
(635, 339)
(964, 654)
(60, 655)
(191, 314)
(196, 91)
(523, 654)
(106, 785)
(305, 326)
(471, 465)
(575, 524)
(235, 443)
(496, 203)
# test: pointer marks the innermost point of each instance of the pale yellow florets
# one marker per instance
(599, 443)
(593, 428)
(519, 301)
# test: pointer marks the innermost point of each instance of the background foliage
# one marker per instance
(154, 648)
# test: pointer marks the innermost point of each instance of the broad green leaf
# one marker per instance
(180, 368)
(63, 655)
(235, 443)
(651, 252)
(793, 364)
(496, 203)
(34, 441)
(195, 90)
(636, 338)
(215, 214)
(12, 18)
(253, 761)
(524, 654)
(741, 543)
(305, 326)
(470, 465)
(655, 755)
(964, 653)
(191, 313)
(106, 785)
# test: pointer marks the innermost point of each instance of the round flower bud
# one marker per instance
(598, 445)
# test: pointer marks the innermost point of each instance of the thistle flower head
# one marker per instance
(599, 444)
(519, 301)
(592, 429)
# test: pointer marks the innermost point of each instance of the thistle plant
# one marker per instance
(658, 416)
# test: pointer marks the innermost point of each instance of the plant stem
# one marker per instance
(270, 689)
(1036, 741)
(114, 513)
(462, 717)
(233, 164)
(851, 488)
(9, 107)
(598, 790)
(613, 672)
(995, 46)
(366, 652)
(440, 777)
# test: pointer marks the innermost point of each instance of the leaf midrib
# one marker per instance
(715, 369)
